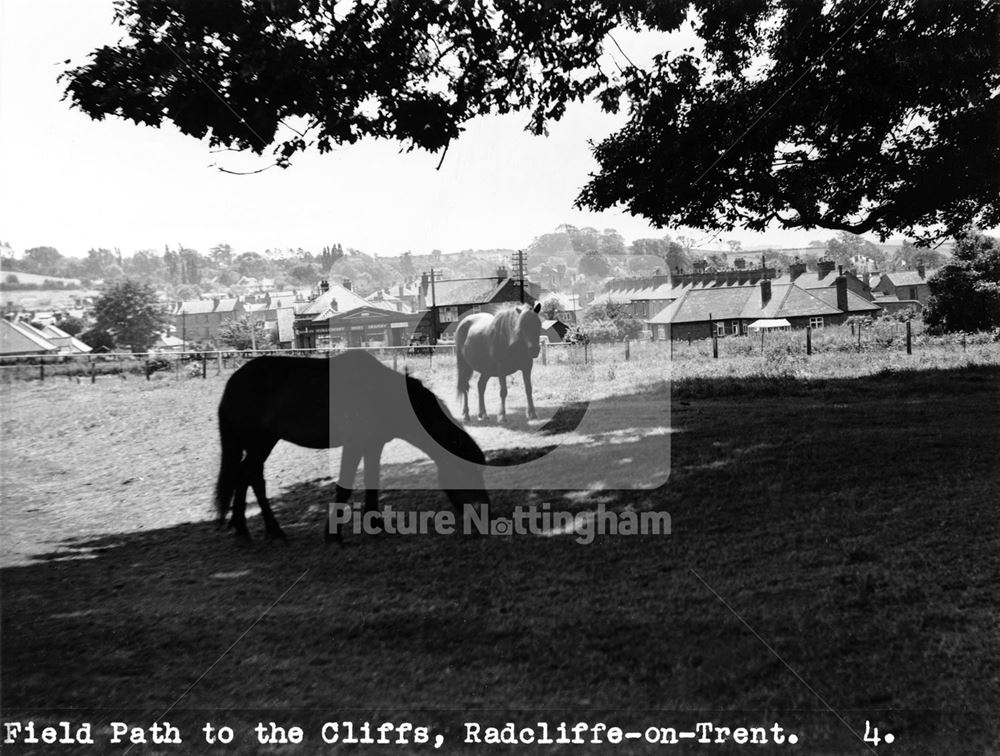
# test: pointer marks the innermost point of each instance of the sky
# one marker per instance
(72, 183)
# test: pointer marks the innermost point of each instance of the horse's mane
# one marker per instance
(505, 325)
(439, 423)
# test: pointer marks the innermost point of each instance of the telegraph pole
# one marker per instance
(434, 312)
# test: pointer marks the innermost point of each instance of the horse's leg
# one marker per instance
(349, 459)
(526, 374)
(373, 464)
(503, 399)
(238, 519)
(465, 405)
(256, 455)
(483, 380)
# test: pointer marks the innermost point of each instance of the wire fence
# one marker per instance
(854, 337)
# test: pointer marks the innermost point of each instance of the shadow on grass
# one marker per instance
(852, 528)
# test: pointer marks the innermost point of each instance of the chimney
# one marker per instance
(324, 286)
(921, 270)
(502, 274)
(215, 303)
(346, 283)
(796, 269)
(765, 292)
(739, 263)
(841, 284)
(825, 266)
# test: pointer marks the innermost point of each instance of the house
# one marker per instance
(20, 339)
(452, 300)
(908, 286)
(338, 317)
(730, 310)
(200, 319)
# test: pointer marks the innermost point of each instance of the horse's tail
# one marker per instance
(464, 368)
(232, 455)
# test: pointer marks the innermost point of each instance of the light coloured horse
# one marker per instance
(497, 346)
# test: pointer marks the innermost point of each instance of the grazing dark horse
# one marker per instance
(350, 400)
(497, 345)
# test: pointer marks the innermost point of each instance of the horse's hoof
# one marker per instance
(532, 416)
(502, 419)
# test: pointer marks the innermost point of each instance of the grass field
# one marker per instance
(834, 548)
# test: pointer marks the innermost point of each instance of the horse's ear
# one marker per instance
(538, 307)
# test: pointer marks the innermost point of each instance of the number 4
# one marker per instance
(872, 736)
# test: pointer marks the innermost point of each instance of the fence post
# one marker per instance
(715, 346)
(41, 371)
(93, 372)
(762, 341)
(147, 369)
(909, 339)
(859, 336)
(204, 366)
(626, 350)
(809, 340)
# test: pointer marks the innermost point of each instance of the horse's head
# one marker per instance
(528, 331)
(463, 483)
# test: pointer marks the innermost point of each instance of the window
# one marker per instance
(913, 292)
(447, 314)
(815, 322)
(735, 330)
(720, 329)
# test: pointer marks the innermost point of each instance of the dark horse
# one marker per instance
(350, 400)
(497, 345)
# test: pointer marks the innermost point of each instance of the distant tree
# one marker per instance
(910, 255)
(965, 293)
(44, 260)
(237, 333)
(304, 274)
(251, 265)
(12, 279)
(130, 313)
(549, 308)
(98, 339)
(99, 261)
(847, 245)
(221, 254)
(73, 326)
(406, 265)
(594, 265)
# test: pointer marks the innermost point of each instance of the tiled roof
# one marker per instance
(742, 302)
(855, 302)
(196, 307)
(21, 338)
(448, 293)
(340, 298)
(905, 278)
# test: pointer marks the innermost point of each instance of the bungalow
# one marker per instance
(730, 310)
